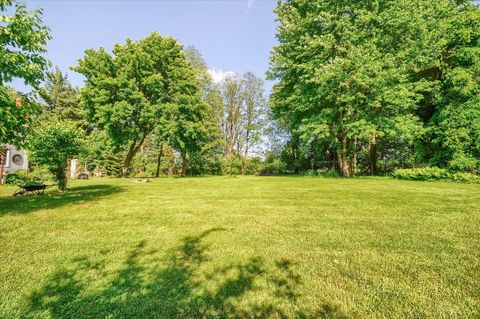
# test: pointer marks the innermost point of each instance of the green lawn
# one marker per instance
(267, 247)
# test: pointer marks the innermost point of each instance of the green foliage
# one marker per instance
(17, 178)
(276, 167)
(61, 99)
(16, 122)
(53, 144)
(373, 85)
(231, 165)
(100, 154)
(143, 86)
(455, 126)
(23, 39)
(435, 174)
(21, 176)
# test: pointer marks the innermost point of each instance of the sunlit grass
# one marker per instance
(242, 247)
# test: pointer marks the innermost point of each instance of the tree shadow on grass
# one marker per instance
(55, 199)
(178, 285)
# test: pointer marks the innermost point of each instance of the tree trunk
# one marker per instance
(184, 164)
(3, 157)
(345, 165)
(373, 155)
(133, 149)
(354, 169)
(159, 160)
(245, 154)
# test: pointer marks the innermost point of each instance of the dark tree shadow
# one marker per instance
(54, 199)
(179, 285)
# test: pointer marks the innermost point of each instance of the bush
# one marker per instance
(17, 178)
(435, 174)
(253, 166)
(231, 166)
(327, 173)
(22, 176)
(273, 168)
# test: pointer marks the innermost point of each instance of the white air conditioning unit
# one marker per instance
(15, 159)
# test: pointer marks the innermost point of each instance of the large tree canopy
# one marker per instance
(141, 85)
(356, 77)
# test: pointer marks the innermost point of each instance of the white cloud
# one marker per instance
(220, 75)
(250, 4)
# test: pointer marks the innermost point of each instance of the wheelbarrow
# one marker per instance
(34, 188)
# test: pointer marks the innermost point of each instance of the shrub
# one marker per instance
(435, 174)
(22, 176)
(231, 166)
(16, 178)
(327, 173)
(273, 168)
(253, 166)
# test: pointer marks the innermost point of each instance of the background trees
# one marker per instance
(363, 88)
(363, 85)
(61, 99)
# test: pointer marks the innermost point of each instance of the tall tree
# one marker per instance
(23, 39)
(61, 98)
(455, 124)
(253, 113)
(127, 92)
(231, 88)
(348, 71)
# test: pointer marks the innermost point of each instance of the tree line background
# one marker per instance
(363, 87)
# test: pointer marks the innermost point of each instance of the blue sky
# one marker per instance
(233, 35)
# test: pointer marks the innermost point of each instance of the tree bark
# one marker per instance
(245, 154)
(3, 158)
(184, 164)
(159, 160)
(133, 149)
(344, 165)
(373, 155)
(354, 169)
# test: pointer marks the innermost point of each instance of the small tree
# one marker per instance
(53, 145)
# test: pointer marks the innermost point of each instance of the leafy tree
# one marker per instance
(455, 124)
(231, 89)
(352, 74)
(61, 98)
(100, 154)
(253, 114)
(127, 93)
(23, 39)
(208, 159)
(53, 144)
(17, 114)
(22, 44)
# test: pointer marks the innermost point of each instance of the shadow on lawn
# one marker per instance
(51, 200)
(176, 286)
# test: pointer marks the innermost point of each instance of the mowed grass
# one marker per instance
(244, 247)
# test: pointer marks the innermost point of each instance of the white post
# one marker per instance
(73, 168)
